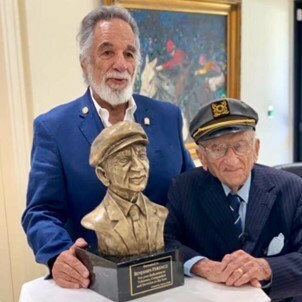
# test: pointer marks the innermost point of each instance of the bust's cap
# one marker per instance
(221, 117)
(114, 139)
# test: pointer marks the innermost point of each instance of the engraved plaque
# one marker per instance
(127, 278)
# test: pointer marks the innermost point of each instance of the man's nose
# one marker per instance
(136, 164)
(230, 155)
(120, 63)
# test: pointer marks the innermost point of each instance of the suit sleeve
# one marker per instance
(175, 224)
(187, 161)
(287, 269)
(46, 211)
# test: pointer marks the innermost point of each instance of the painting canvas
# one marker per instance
(183, 58)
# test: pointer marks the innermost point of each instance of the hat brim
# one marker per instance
(127, 142)
(224, 131)
(122, 144)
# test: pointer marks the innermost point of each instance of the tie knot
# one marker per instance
(234, 202)
(134, 212)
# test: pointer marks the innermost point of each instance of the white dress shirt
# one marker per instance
(104, 113)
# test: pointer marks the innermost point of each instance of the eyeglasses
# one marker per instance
(240, 148)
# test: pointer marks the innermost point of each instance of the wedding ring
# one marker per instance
(239, 270)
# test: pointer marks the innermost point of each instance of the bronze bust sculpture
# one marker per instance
(126, 222)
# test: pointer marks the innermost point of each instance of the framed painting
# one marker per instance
(190, 52)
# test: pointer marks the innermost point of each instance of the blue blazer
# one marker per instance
(63, 187)
(200, 222)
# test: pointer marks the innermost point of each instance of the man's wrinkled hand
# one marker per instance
(68, 271)
(210, 270)
(243, 268)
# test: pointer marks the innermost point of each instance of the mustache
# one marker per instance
(118, 75)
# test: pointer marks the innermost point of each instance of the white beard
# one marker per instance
(110, 95)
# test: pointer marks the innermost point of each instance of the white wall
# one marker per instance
(54, 67)
(266, 74)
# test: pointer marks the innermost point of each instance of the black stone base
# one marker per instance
(127, 278)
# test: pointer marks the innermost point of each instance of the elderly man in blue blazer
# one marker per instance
(62, 186)
(237, 222)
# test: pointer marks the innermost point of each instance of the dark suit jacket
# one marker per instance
(201, 223)
(63, 187)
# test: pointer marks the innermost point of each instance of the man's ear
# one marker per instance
(256, 149)
(200, 155)
(101, 174)
(84, 66)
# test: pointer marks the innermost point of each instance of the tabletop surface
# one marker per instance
(195, 289)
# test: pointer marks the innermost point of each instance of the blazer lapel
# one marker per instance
(145, 117)
(261, 201)
(122, 226)
(126, 235)
(153, 224)
(90, 123)
(213, 202)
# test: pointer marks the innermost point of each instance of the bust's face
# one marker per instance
(128, 169)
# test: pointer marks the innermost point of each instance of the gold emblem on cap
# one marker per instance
(220, 108)
(85, 110)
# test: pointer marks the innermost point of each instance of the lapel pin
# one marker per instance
(146, 121)
(85, 110)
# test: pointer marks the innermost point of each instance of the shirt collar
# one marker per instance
(104, 113)
(244, 190)
(125, 205)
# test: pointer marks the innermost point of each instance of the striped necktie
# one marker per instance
(234, 204)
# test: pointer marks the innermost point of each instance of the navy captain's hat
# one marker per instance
(221, 117)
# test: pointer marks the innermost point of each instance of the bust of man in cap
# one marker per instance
(126, 222)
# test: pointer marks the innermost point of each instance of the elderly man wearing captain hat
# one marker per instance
(237, 222)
